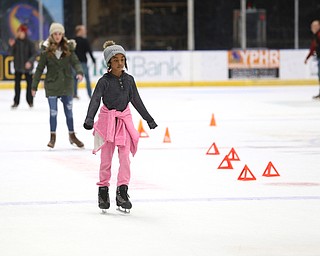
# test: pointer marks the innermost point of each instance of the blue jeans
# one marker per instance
(88, 82)
(67, 106)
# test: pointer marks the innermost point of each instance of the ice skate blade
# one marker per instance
(104, 206)
(104, 211)
(123, 210)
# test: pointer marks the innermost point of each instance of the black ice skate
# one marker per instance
(103, 198)
(122, 198)
(316, 97)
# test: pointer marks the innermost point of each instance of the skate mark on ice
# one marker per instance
(168, 200)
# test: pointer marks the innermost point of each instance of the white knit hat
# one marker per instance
(56, 27)
(112, 50)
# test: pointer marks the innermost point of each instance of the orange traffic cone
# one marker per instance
(229, 165)
(213, 150)
(244, 174)
(267, 172)
(141, 130)
(233, 156)
(213, 121)
(167, 137)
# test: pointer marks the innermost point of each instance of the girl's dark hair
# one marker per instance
(53, 46)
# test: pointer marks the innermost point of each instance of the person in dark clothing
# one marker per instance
(315, 48)
(83, 47)
(114, 126)
(24, 54)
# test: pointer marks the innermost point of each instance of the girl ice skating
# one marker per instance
(114, 126)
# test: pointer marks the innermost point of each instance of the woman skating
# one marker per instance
(58, 56)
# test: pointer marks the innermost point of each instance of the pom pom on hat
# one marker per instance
(111, 49)
(23, 28)
(56, 27)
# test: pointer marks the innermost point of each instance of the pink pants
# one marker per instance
(106, 160)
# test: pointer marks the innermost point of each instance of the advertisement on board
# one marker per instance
(253, 64)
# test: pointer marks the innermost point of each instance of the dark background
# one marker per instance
(164, 23)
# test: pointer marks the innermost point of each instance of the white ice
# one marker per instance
(182, 204)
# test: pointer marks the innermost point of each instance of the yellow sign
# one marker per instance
(1, 67)
(253, 59)
(7, 68)
(7, 61)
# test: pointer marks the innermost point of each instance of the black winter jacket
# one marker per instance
(116, 93)
(23, 51)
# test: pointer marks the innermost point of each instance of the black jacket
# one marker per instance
(315, 46)
(116, 93)
(82, 48)
(23, 51)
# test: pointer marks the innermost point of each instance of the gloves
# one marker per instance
(152, 125)
(87, 127)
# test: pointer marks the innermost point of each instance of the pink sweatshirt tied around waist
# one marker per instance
(112, 126)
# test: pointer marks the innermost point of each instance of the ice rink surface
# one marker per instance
(182, 203)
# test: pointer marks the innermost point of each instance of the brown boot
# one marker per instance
(74, 140)
(52, 140)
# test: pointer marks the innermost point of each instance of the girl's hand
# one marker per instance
(152, 125)
(79, 77)
(33, 92)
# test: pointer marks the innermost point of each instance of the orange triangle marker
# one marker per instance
(213, 150)
(167, 137)
(269, 169)
(213, 121)
(141, 130)
(244, 174)
(229, 166)
(233, 156)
